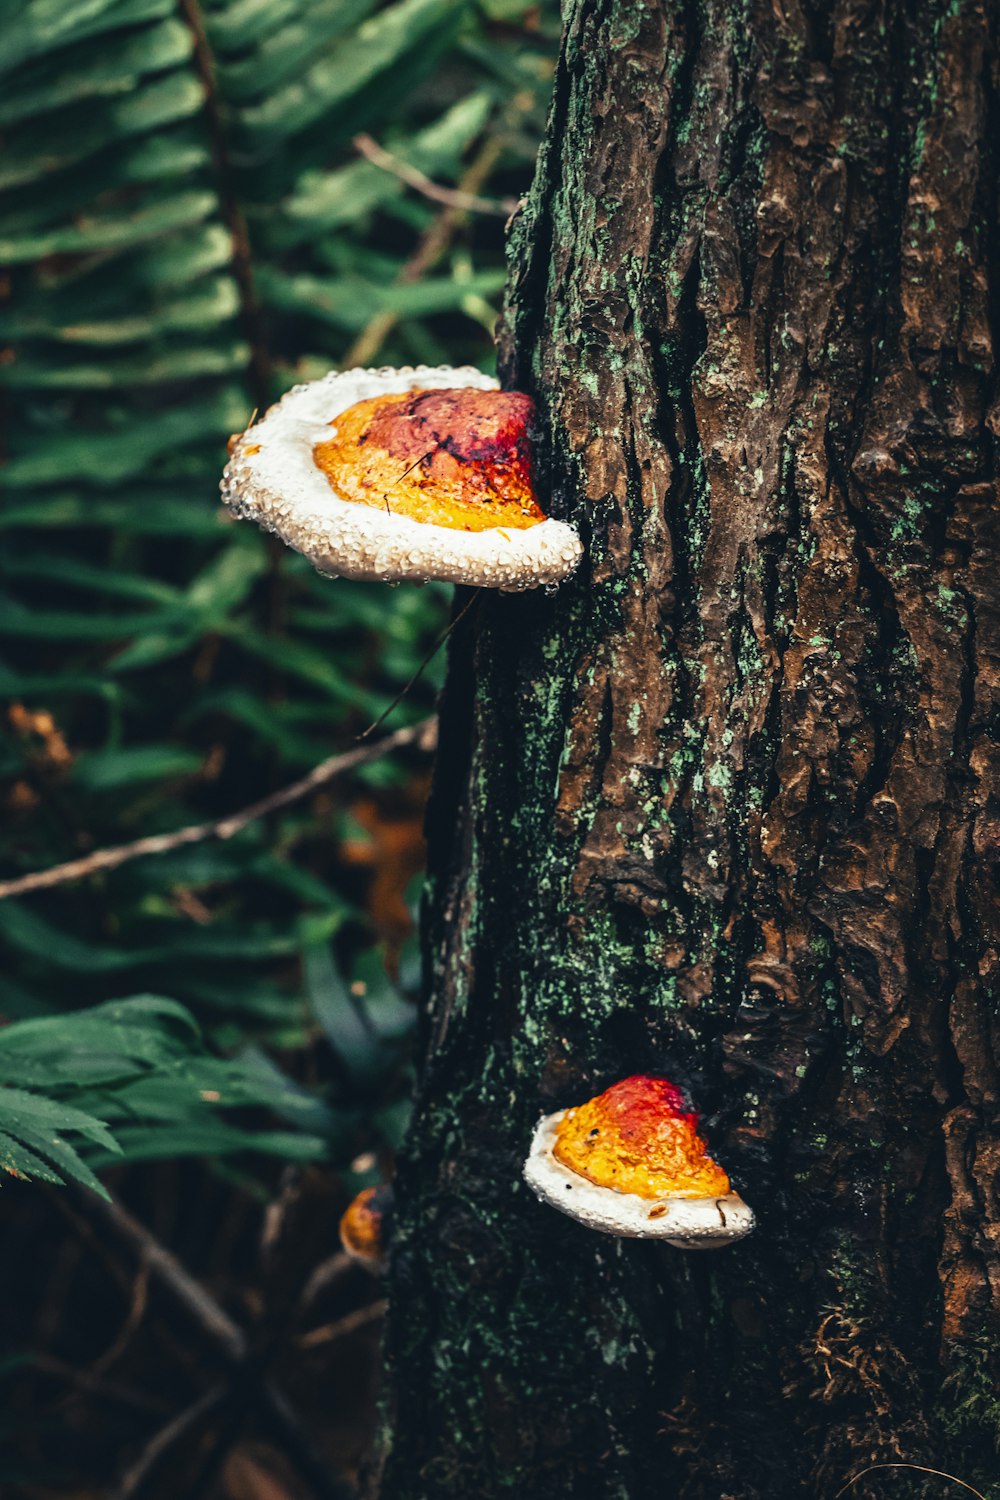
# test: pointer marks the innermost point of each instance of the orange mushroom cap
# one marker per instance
(364, 1226)
(403, 474)
(630, 1162)
(458, 458)
(637, 1137)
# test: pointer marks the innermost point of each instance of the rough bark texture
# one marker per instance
(726, 806)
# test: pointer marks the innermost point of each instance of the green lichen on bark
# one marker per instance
(725, 806)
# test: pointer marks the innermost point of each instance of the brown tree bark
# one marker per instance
(726, 807)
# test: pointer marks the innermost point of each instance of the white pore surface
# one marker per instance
(688, 1223)
(281, 488)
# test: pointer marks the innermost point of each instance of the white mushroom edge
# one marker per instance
(272, 479)
(687, 1223)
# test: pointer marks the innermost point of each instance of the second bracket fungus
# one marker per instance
(364, 1226)
(403, 474)
(631, 1163)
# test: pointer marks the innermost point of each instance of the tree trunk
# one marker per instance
(726, 806)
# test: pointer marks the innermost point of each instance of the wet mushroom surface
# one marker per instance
(631, 1162)
(410, 474)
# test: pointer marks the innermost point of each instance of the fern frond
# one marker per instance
(132, 1081)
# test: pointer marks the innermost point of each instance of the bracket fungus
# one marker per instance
(415, 473)
(631, 1163)
(365, 1225)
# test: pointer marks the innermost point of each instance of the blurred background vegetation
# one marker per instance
(198, 212)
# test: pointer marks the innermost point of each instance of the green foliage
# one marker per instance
(33, 1141)
(131, 1080)
(187, 230)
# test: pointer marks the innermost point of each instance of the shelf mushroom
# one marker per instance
(631, 1163)
(365, 1224)
(415, 473)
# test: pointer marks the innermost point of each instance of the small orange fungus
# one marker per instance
(363, 1226)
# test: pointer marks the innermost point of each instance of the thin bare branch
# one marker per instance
(166, 1438)
(377, 723)
(93, 1385)
(349, 1323)
(421, 183)
(230, 1341)
(422, 735)
(201, 1307)
(326, 1274)
(921, 1468)
(429, 251)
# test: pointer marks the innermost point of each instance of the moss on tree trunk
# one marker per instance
(726, 806)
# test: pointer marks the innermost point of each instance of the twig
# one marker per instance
(133, 1318)
(414, 178)
(93, 1385)
(168, 1437)
(430, 248)
(377, 723)
(326, 1274)
(232, 1343)
(309, 1460)
(922, 1468)
(408, 470)
(329, 1333)
(421, 735)
(59, 1286)
(162, 1264)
